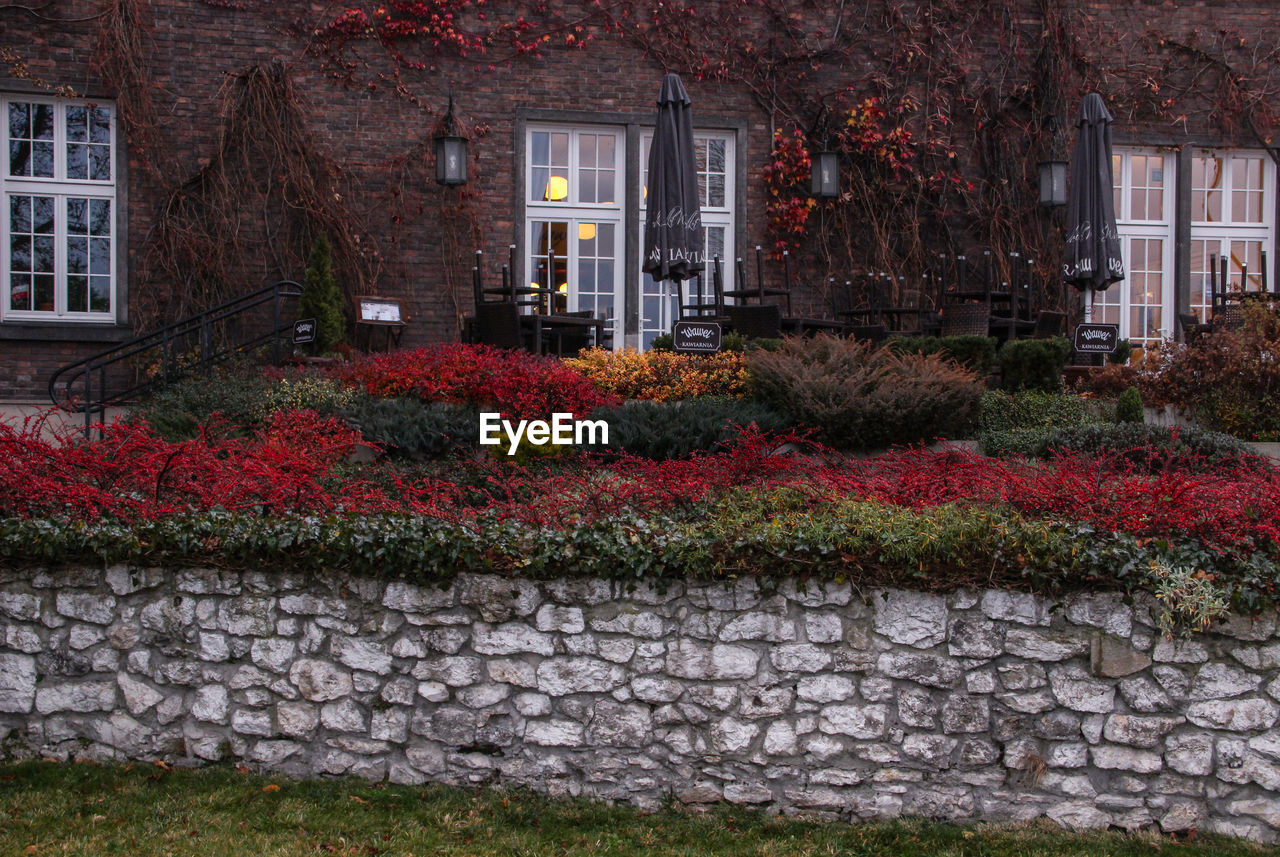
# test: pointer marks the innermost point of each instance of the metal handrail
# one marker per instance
(95, 401)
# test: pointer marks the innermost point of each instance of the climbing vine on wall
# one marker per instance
(267, 166)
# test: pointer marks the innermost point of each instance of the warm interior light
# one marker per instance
(564, 289)
(557, 188)
(586, 231)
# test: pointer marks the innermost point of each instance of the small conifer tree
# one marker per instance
(321, 299)
(1129, 406)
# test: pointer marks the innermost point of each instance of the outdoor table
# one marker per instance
(812, 325)
(558, 326)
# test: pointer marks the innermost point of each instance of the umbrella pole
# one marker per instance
(1088, 306)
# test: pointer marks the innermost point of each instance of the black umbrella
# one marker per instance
(673, 211)
(1092, 260)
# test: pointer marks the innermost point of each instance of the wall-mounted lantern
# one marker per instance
(826, 175)
(451, 153)
(1053, 183)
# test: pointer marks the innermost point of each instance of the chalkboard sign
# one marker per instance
(1096, 338)
(696, 337)
(304, 330)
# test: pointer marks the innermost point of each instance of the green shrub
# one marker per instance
(411, 428)
(663, 342)
(858, 396)
(977, 353)
(1124, 350)
(321, 298)
(675, 429)
(1129, 407)
(305, 392)
(1034, 364)
(237, 394)
(1155, 447)
(1033, 409)
(1017, 424)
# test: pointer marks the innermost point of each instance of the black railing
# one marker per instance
(193, 344)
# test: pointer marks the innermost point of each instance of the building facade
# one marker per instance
(166, 155)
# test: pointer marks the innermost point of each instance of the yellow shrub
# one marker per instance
(662, 375)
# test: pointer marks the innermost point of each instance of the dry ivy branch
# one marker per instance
(250, 214)
(120, 57)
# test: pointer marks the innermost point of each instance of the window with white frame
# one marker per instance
(1231, 221)
(574, 218)
(1142, 303)
(59, 187)
(714, 153)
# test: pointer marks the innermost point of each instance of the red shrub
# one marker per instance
(515, 383)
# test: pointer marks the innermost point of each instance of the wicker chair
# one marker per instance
(966, 320)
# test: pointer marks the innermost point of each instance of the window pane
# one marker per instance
(77, 255)
(100, 163)
(1246, 190)
(607, 154)
(716, 192)
(1206, 189)
(42, 215)
(1117, 186)
(540, 147)
(1246, 259)
(42, 286)
(20, 291)
(99, 294)
(20, 214)
(605, 180)
(77, 124)
(100, 125)
(587, 151)
(100, 217)
(100, 256)
(77, 294)
(77, 161)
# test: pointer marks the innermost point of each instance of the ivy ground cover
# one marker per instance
(287, 494)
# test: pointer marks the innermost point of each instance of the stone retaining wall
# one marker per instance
(993, 705)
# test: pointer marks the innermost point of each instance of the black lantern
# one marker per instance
(1053, 183)
(826, 175)
(451, 153)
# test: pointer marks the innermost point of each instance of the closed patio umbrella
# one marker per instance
(673, 248)
(1092, 259)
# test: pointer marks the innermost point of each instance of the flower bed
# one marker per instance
(931, 519)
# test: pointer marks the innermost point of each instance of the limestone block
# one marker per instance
(320, 681)
(17, 683)
(911, 618)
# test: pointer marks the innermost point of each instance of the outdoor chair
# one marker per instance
(697, 302)
(756, 321)
(1192, 327)
(1049, 323)
(1227, 317)
(966, 319)
(498, 324)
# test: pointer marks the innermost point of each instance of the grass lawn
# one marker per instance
(142, 809)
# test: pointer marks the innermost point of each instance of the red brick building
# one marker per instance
(167, 155)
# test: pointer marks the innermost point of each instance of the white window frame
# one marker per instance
(574, 212)
(61, 189)
(1225, 231)
(1129, 229)
(721, 216)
